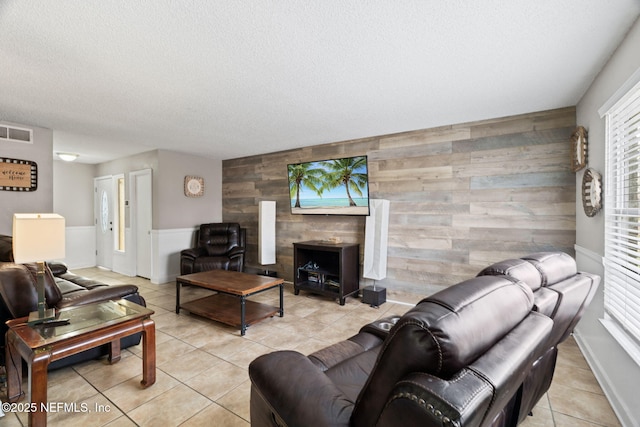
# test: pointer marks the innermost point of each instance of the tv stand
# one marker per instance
(330, 269)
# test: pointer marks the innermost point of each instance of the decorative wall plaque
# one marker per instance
(18, 175)
(578, 149)
(591, 192)
(193, 186)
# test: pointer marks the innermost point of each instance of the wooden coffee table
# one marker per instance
(90, 326)
(230, 286)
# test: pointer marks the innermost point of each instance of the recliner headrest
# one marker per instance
(553, 266)
(444, 333)
(219, 238)
(516, 268)
(477, 313)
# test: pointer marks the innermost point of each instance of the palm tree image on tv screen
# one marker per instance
(330, 187)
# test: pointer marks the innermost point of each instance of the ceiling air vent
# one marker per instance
(16, 134)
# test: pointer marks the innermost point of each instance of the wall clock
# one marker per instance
(578, 149)
(193, 186)
(591, 192)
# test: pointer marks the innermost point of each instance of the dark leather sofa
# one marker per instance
(219, 245)
(62, 289)
(479, 353)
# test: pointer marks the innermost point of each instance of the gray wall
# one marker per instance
(462, 197)
(175, 210)
(615, 370)
(73, 192)
(147, 160)
(171, 208)
(41, 200)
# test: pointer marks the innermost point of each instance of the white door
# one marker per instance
(103, 208)
(142, 220)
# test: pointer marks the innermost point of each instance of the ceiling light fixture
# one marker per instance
(68, 157)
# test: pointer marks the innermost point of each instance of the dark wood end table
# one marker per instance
(90, 326)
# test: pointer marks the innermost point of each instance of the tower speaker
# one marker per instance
(267, 232)
(376, 239)
(375, 251)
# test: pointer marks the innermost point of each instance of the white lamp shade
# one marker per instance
(267, 232)
(376, 240)
(38, 237)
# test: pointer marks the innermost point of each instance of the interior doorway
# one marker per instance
(142, 220)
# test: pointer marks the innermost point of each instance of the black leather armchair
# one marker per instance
(219, 246)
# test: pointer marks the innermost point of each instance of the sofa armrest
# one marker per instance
(422, 399)
(57, 268)
(236, 252)
(288, 389)
(105, 293)
(192, 253)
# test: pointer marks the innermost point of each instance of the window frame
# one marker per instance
(622, 218)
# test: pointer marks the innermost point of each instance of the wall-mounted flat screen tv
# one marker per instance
(330, 187)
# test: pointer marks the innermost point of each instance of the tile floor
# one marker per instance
(202, 377)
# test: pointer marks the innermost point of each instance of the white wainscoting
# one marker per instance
(165, 252)
(166, 246)
(614, 369)
(80, 247)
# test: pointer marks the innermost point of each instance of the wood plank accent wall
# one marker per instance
(462, 197)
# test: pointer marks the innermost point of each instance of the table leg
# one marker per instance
(243, 326)
(114, 351)
(281, 300)
(13, 367)
(148, 353)
(38, 387)
(178, 296)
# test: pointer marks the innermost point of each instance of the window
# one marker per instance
(622, 216)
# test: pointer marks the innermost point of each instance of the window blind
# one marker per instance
(622, 214)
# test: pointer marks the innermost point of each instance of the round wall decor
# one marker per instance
(193, 186)
(591, 192)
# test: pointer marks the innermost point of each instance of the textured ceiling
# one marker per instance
(227, 79)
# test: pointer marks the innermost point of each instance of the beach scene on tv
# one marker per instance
(330, 187)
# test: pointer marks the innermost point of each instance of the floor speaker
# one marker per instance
(375, 240)
(267, 232)
(375, 296)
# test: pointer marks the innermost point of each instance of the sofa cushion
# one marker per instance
(351, 374)
(67, 287)
(336, 353)
(81, 281)
(206, 263)
(104, 293)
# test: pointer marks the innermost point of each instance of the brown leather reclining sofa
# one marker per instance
(479, 353)
(62, 289)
